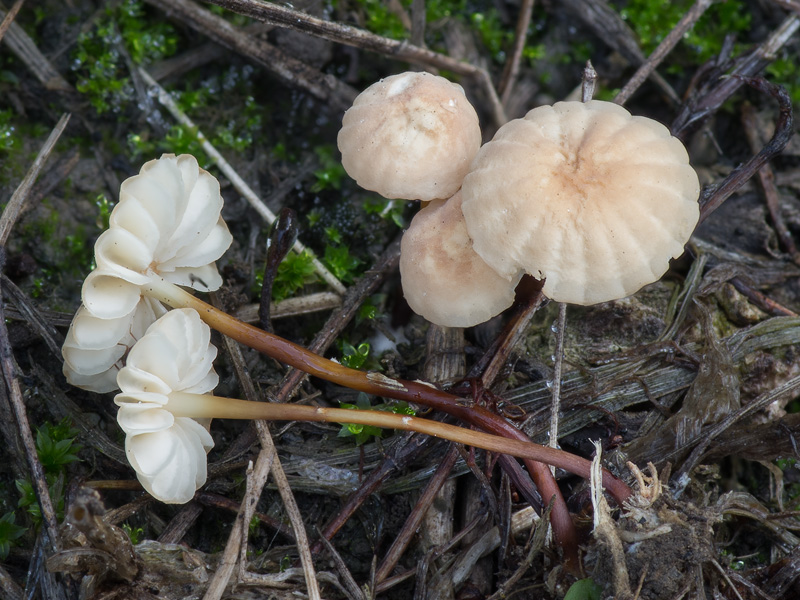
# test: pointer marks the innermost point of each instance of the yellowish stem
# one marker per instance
(204, 406)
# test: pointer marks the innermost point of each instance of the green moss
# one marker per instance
(296, 271)
(331, 172)
(99, 56)
(786, 72)
(652, 20)
(494, 36)
(341, 262)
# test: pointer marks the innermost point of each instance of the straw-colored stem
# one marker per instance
(204, 406)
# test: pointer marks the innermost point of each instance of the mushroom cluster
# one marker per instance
(166, 226)
(584, 195)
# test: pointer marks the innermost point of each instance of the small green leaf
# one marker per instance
(584, 589)
(9, 532)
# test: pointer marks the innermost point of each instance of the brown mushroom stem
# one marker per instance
(411, 391)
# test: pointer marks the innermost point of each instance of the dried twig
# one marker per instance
(555, 405)
(9, 18)
(21, 44)
(411, 525)
(588, 82)
(222, 576)
(268, 460)
(705, 101)
(511, 69)
(604, 20)
(665, 47)
(14, 206)
(766, 178)
(295, 73)
(9, 588)
(351, 36)
(7, 362)
(713, 196)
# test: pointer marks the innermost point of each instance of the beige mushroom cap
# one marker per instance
(443, 279)
(586, 195)
(410, 136)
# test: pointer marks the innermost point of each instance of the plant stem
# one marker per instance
(411, 391)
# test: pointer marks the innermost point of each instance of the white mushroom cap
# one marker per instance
(167, 224)
(410, 136)
(95, 348)
(168, 453)
(443, 279)
(593, 199)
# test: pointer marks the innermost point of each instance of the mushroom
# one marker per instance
(167, 225)
(410, 136)
(94, 347)
(443, 278)
(164, 407)
(586, 195)
(167, 452)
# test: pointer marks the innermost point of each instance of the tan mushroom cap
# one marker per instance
(586, 195)
(410, 136)
(443, 279)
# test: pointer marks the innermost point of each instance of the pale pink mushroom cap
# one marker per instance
(443, 279)
(586, 195)
(410, 136)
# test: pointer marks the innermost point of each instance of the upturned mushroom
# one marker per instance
(443, 278)
(585, 195)
(167, 452)
(410, 136)
(166, 226)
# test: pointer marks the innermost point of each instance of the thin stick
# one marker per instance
(9, 18)
(268, 458)
(7, 362)
(14, 205)
(10, 369)
(713, 196)
(238, 183)
(400, 543)
(322, 86)
(222, 575)
(766, 178)
(665, 47)
(555, 404)
(204, 406)
(351, 36)
(511, 70)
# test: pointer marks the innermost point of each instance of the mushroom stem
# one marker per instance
(411, 391)
(205, 406)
